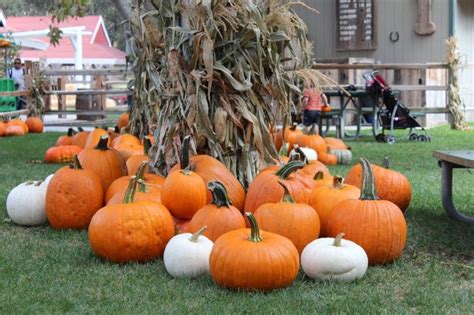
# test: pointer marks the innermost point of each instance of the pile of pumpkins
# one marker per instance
(18, 127)
(329, 151)
(201, 220)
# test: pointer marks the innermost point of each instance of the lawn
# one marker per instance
(47, 271)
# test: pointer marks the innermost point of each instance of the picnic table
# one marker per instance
(447, 161)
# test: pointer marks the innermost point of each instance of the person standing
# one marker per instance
(313, 101)
(17, 74)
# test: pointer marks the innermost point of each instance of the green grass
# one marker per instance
(47, 271)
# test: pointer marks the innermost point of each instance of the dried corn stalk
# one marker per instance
(455, 102)
(215, 70)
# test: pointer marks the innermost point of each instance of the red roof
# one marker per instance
(96, 45)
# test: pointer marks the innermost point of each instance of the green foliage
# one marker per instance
(11, 53)
(43, 270)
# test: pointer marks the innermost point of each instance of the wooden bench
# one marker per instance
(447, 161)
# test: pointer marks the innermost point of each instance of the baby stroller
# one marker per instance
(393, 114)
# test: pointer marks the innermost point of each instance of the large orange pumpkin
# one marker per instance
(121, 183)
(73, 196)
(391, 185)
(132, 231)
(14, 130)
(311, 139)
(123, 120)
(104, 161)
(220, 216)
(94, 137)
(335, 144)
(250, 259)
(35, 124)
(61, 154)
(324, 198)
(298, 222)
(67, 139)
(3, 127)
(291, 135)
(377, 225)
(265, 187)
(19, 122)
(135, 161)
(80, 138)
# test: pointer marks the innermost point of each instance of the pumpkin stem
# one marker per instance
(184, 162)
(304, 158)
(116, 129)
(38, 183)
(338, 182)
(140, 174)
(142, 186)
(368, 191)
(77, 164)
(80, 129)
(337, 240)
(284, 149)
(131, 189)
(70, 132)
(295, 157)
(386, 162)
(146, 145)
(102, 145)
(286, 195)
(220, 198)
(289, 168)
(195, 236)
(319, 175)
(293, 127)
(29, 182)
(254, 229)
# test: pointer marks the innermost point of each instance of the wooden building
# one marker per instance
(396, 32)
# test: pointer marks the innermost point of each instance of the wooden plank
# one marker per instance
(14, 113)
(85, 113)
(386, 66)
(462, 158)
(401, 87)
(91, 92)
(81, 123)
(15, 93)
(91, 72)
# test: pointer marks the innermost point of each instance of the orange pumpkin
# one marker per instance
(326, 108)
(325, 198)
(245, 259)
(134, 161)
(391, 185)
(296, 221)
(61, 154)
(35, 124)
(220, 216)
(181, 225)
(121, 183)
(291, 136)
(378, 226)
(336, 144)
(95, 136)
(104, 161)
(131, 231)
(73, 196)
(183, 193)
(311, 139)
(265, 188)
(19, 122)
(123, 120)
(321, 180)
(3, 127)
(14, 130)
(67, 139)
(327, 158)
(80, 138)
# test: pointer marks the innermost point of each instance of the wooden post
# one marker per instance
(62, 98)
(99, 84)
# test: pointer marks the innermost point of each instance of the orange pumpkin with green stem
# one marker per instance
(67, 139)
(324, 198)
(131, 231)
(245, 259)
(378, 226)
(106, 162)
(80, 138)
(94, 137)
(298, 222)
(135, 160)
(220, 216)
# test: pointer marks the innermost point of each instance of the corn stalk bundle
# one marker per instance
(455, 102)
(215, 70)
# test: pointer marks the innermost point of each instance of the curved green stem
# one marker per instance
(289, 168)
(254, 229)
(386, 162)
(286, 195)
(220, 198)
(142, 186)
(131, 189)
(103, 143)
(195, 236)
(338, 239)
(141, 170)
(368, 191)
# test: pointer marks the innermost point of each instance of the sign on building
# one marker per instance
(355, 25)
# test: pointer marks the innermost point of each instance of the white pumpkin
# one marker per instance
(47, 180)
(334, 259)
(26, 203)
(187, 255)
(310, 154)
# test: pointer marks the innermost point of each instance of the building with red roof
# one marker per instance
(85, 41)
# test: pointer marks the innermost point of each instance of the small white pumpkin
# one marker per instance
(187, 255)
(310, 154)
(26, 203)
(47, 180)
(334, 259)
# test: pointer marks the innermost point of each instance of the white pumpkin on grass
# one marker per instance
(26, 203)
(334, 259)
(187, 255)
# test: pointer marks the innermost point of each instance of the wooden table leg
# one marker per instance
(447, 193)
